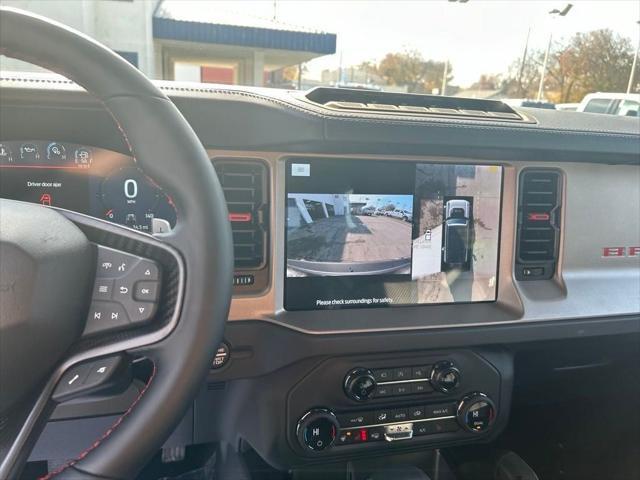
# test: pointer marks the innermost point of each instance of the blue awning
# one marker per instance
(188, 31)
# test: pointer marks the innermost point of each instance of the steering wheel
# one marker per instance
(48, 266)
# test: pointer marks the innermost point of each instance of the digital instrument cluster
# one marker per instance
(94, 181)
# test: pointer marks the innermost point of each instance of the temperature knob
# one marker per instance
(317, 429)
(359, 384)
(476, 413)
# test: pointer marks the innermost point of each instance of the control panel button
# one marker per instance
(376, 434)
(399, 415)
(476, 413)
(383, 391)
(356, 419)
(403, 373)
(383, 416)
(440, 410)
(402, 389)
(317, 430)
(420, 372)
(383, 375)
(359, 384)
(222, 357)
(416, 413)
(421, 387)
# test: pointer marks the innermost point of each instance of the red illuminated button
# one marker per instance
(240, 217)
(538, 217)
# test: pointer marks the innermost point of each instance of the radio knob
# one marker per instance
(317, 429)
(359, 384)
(445, 377)
(476, 412)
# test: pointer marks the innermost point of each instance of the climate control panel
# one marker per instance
(321, 429)
(375, 403)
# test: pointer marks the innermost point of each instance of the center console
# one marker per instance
(357, 405)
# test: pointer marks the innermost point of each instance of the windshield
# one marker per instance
(567, 56)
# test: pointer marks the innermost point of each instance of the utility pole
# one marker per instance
(633, 65)
(523, 62)
(444, 77)
(556, 13)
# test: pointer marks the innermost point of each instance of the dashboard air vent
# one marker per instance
(245, 187)
(403, 104)
(539, 202)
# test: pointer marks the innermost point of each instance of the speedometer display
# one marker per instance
(89, 180)
(131, 198)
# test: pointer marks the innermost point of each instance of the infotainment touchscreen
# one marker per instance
(369, 233)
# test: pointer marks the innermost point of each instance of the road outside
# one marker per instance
(351, 239)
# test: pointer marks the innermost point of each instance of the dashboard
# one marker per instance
(85, 179)
(387, 265)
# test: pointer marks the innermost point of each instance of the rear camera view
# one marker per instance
(348, 234)
(376, 234)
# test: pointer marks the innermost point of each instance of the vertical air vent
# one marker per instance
(245, 186)
(539, 201)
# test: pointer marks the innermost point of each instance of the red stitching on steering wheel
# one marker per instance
(106, 434)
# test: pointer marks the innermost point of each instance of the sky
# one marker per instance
(480, 36)
(400, 201)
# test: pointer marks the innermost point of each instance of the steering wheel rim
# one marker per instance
(167, 149)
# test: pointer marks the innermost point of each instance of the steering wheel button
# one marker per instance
(113, 263)
(101, 371)
(103, 289)
(105, 316)
(146, 291)
(140, 311)
(146, 270)
(72, 382)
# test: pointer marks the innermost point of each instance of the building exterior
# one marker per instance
(305, 208)
(187, 41)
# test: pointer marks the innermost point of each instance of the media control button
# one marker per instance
(421, 387)
(383, 375)
(402, 389)
(383, 391)
(104, 316)
(403, 373)
(359, 384)
(420, 372)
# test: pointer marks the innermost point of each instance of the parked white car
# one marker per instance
(625, 104)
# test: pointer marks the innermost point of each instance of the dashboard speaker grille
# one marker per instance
(245, 187)
(539, 203)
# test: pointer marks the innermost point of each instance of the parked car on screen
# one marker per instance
(457, 208)
(567, 107)
(369, 211)
(405, 215)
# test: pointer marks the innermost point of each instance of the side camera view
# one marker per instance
(348, 234)
(456, 236)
